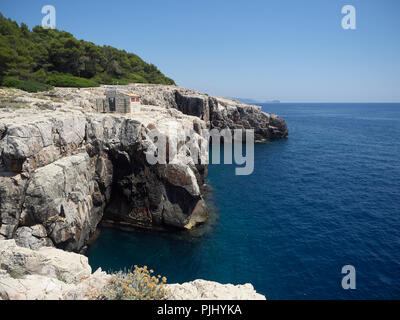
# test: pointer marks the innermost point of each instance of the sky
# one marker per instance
(291, 50)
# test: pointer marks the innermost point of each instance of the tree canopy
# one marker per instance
(55, 57)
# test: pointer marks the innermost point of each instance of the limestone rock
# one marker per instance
(54, 274)
(12, 190)
(209, 290)
(31, 287)
(49, 262)
(64, 167)
(217, 112)
(59, 197)
(39, 231)
(47, 274)
(33, 238)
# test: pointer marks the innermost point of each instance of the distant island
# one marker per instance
(253, 101)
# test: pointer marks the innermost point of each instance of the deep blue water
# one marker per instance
(328, 196)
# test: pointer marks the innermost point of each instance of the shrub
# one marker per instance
(33, 54)
(103, 78)
(40, 75)
(136, 78)
(66, 80)
(138, 284)
(128, 79)
(30, 86)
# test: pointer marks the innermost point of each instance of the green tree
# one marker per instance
(42, 54)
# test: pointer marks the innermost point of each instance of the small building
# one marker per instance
(119, 101)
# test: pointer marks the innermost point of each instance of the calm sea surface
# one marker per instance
(328, 196)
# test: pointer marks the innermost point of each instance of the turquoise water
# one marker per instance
(328, 196)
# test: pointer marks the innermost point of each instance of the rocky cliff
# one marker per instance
(64, 167)
(217, 112)
(54, 274)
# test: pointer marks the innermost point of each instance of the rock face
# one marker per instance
(46, 274)
(55, 192)
(210, 290)
(220, 113)
(54, 274)
(65, 168)
(46, 261)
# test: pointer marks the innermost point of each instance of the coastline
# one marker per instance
(27, 274)
(66, 169)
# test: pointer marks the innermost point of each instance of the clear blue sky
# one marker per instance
(292, 50)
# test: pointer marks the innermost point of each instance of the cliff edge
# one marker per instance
(54, 274)
(64, 167)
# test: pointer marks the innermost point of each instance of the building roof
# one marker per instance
(124, 92)
(129, 94)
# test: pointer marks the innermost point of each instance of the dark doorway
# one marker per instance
(111, 103)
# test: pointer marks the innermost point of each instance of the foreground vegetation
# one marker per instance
(137, 284)
(37, 59)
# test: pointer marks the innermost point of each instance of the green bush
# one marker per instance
(66, 80)
(135, 78)
(39, 53)
(102, 78)
(125, 80)
(39, 76)
(138, 284)
(30, 86)
(122, 82)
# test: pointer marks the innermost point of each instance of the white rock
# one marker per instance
(50, 262)
(209, 290)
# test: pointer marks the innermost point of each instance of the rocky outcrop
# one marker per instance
(46, 261)
(149, 195)
(64, 171)
(53, 274)
(220, 113)
(65, 168)
(210, 290)
(46, 274)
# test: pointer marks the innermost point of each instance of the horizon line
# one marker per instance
(282, 102)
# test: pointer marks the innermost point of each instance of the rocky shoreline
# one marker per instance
(54, 274)
(64, 167)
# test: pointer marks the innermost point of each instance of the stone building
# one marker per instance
(119, 101)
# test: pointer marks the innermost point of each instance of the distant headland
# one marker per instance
(253, 101)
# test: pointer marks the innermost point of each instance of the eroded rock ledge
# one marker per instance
(217, 112)
(54, 274)
(64, 167)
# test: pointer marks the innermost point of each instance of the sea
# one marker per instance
(325, 198)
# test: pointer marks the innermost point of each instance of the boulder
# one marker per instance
(34, 238)
(50, 262)
(209, 290)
